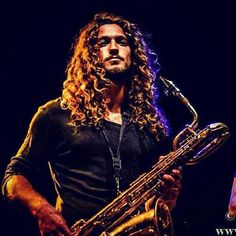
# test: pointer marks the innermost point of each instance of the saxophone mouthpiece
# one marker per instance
(171, 89)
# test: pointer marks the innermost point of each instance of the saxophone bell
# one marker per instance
(155, 222)
(215, 135)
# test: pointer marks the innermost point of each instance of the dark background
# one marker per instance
(196, 47)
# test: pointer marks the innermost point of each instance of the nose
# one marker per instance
(113, 47)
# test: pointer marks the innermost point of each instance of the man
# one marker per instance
(232, 201)
(107, 113)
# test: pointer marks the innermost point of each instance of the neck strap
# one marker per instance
(116, 160)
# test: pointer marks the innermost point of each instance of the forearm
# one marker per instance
(19, 189)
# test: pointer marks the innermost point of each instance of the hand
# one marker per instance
(171, 187)
(51, 223)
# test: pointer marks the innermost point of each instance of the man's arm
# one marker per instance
(19, 189)
(232, 201)
(25, 168)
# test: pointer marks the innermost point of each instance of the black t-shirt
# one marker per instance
(80, 163)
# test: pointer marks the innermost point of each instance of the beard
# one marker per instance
(118, 74)
(115, 68)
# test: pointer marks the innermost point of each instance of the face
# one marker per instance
(114, 50)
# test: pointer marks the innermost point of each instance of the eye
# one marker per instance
(122, 41)
(103, 42)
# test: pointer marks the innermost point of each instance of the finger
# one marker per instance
(161, 158)
(42, 229)
(168, 179)
(41, 232)
(175, 190)
(65, 230)
(170, 182)
(176, 174)
(180, 168)
(60, 234)
(67, 233)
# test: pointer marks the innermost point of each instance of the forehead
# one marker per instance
(110, 30)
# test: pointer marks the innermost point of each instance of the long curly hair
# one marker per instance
(84, 90)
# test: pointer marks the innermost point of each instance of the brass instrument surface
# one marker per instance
(194, 148)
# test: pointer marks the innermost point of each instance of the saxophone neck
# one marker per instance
(194, 123)
(171, 89)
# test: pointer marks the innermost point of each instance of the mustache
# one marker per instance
(114, 57)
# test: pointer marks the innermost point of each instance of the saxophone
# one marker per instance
(189, 147)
